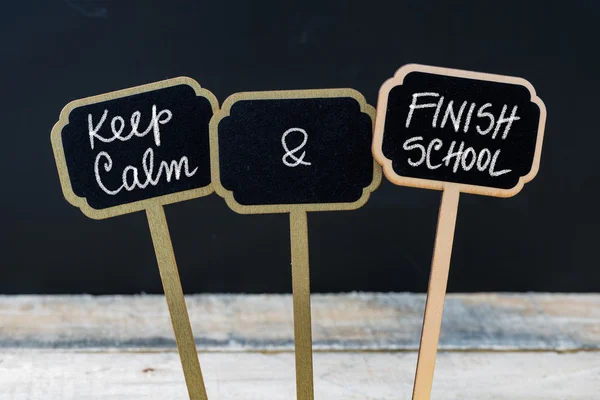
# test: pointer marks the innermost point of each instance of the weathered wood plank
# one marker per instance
(364, 321)
(36, 374)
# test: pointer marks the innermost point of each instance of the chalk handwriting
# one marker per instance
(130, 176)
(117, 125)
(464, 159)
(290, 154)
(455, 115)
(457, 156)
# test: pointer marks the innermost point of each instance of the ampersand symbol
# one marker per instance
(291, 153)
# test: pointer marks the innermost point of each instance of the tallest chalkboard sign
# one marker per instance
(456, 131)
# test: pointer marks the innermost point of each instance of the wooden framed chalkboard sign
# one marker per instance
(139, 149)
(128, 150)
(443, 128)
(456, 131)
(293, 152)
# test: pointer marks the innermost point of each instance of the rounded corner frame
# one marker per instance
(386, 163)
(140, 205)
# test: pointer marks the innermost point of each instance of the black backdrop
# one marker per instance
(543, 239)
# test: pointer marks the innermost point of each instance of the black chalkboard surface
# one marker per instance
(481, 131)
(118, 151)
(310, 148)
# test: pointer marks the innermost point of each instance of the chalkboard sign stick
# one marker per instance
(438, 280)
(301, 298)
(169, 276)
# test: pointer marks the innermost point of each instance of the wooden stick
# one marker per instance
(176, 302)
(301, 297)
(438, 281)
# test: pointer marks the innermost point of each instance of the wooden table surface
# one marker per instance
(493, 346)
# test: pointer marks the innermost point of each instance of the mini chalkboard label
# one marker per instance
(139, 149)
(456, 131)
(121, 151)
(436, 126)
(305, 149)
(293, 152)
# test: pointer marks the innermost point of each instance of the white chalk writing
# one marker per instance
(290, 154)
(131, 176)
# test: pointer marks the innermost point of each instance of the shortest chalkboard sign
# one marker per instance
(123, 151)
(439, 126)
(294, 150)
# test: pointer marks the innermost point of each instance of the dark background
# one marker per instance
(544, 239)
